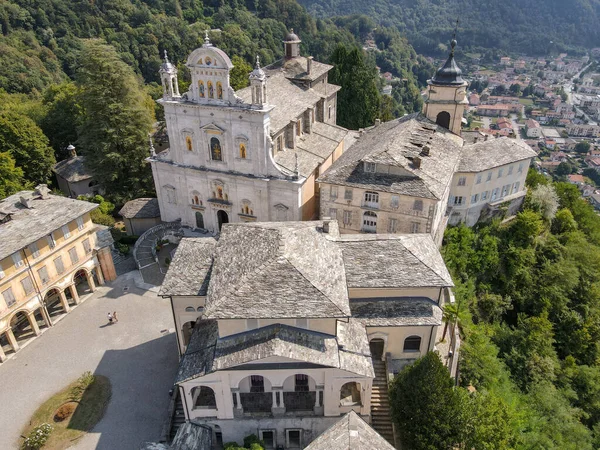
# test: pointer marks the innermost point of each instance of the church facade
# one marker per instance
(250, 155)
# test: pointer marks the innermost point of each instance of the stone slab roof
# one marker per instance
(140, 208)
(44, 216)
(277, 270)
(393, 261)
(189, 272)
(103, 236)
(351, 432)
(398, 143)
(295, 68)
(396, 311)
(72, 169)
(189, 436)
(206, 353)
(493, 153)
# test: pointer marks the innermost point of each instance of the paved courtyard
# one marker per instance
(138, 355)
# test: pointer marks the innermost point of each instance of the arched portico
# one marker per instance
(84, 282)
(203, 397)
(300, 393)
(56, 302)
(254, 394)
(23, 327)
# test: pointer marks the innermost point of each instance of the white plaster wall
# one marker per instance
(433, 293)
(394, 339)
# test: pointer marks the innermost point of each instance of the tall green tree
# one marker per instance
(116, 123)
(426, 408)
(359, 99)
(11, 177)
(27, 144)
(238, 76)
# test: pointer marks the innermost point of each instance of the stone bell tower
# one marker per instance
(447, 95)
(168, 77)
(258, 84)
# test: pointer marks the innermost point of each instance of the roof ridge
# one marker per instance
(420, 259)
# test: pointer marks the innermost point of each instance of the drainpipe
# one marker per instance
(37, 288)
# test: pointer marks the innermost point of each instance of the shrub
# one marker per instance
(101, 218)
(83, 383)
(129, 240)
(123, 248)
(37, 437)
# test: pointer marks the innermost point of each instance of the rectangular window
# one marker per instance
(58, 265)
(510, 170)
(65, 231)
(35, 251)
(279, 143)
(495, 194)
(268, 438)
(462, 181)
(80, 223)
(478, 179)
(1, 273)
(418, 205)
(293, 438)
(458, 200)
(348, 194)
(514, 190)
(415, 227)
(505, 190)
(370, 167)
(520, 167)
(394, 202)
(333, 213)
(43, 274)
(489, 177)
(371, 197)
(9, 297)
(484, 195)
(330, 108)
(500, 172)
(333, 192)
(73, 255)
(474, 198)
(27, 285)
(392, 225)
(17, 260)
(51, 241)
(347, 217)
(86, 246)
(301, 384)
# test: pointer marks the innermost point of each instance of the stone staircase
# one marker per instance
(144, 250)
(380, 403)
(178, 416)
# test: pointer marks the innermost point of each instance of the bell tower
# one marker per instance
(291, 45)
(168, 77)
(258, 84)
(447, 95)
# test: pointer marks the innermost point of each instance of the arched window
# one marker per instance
(216, 153)
(196, 198)
(211, 90)
(190, 309)
(243, 150)
(188, 143)
(443, 119)
(219, 192)
(350, 394)
(412, 344)
(219, 90)
(247, 208)
(257, 383)
(201, 89)
(204, 398)
(370, 222)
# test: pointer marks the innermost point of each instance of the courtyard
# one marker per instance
(138, 355)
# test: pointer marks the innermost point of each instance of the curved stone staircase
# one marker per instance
(144, 250)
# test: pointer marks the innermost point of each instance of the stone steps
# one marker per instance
(381, 420)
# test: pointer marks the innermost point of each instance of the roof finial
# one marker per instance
(166, 57)
(453, 43)
(257, 62)
(206, 38)
(152, 151)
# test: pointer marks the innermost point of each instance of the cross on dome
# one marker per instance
(206, 39)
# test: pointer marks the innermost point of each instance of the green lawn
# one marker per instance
(526, 101)
(91, 404)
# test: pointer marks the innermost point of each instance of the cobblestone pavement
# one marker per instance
(138, 355)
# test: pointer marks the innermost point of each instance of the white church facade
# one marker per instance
(250, 155)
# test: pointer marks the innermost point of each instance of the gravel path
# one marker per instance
(138, 355)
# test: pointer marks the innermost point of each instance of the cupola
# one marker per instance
(292, 45)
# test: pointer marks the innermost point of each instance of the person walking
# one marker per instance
(114, 315)
(110, 318)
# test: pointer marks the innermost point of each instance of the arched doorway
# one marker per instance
(350, 394)
(377, 346)
(203, 398)
(199, 220)
(81, 282)
(443, 119)
(21, 327)
(222, 218)
(369, 222)
(186, 332)
(53, 304)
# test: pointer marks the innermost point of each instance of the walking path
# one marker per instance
(138, 355)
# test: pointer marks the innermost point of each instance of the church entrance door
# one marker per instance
(199, 220)
(376, 346)
(222, 217)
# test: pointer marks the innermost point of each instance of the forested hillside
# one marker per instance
(527, 26)
(528, 306)
(43, 103)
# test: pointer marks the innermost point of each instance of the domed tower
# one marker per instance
(447, 95)
(168, 77)
(258, 84)
(291, 44)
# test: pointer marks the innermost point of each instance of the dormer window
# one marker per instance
(370, 167)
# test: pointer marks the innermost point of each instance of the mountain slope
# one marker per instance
(524, 26)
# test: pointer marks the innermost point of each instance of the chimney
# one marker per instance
(43, 191)
(309, 64)
(26, 202)
(416, 162)
(326, 221)
(377, 122)
(72, 152)
(425, 151)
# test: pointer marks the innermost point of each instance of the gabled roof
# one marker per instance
(72, 169)
(398, 144)
(276, 270)
(140, 208)
(189, 272)
(351, 432)
(393, 261)
(494, 153)
(396, 311)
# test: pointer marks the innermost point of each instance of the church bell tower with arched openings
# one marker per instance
(447, 95)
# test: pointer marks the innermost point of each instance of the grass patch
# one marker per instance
(526, 101)
(90, 395)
